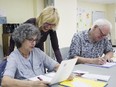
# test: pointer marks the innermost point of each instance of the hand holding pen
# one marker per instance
(99, 60)
(108, 59)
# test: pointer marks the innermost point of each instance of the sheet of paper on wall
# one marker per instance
(97, 77)
(107, 65)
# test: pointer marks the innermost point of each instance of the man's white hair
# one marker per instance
(102, 23)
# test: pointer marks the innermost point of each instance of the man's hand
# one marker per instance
(99, 61)
(108, 59)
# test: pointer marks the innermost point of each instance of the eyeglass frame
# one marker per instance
(101, 33)
(32, 40)
(49, 24)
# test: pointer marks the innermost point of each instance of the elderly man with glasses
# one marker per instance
(90, 45)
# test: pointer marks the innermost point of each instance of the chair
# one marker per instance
(64, 52)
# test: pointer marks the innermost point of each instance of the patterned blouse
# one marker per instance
(82, 46)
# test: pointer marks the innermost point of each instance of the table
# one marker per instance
(97, 70)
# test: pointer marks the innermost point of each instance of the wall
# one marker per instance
(38, 7)
(91, 6)
(111, 15)
(67, 25)
(17, 10)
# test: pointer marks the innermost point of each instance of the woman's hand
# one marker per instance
(71, 77)
(40, 84)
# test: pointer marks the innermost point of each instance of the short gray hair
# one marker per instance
(23, 32)
(102, 23)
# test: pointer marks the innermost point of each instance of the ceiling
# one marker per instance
(101, 1)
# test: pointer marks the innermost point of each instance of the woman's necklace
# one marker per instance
(24, 55)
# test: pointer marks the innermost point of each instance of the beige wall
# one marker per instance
(67, 25)
(91, 6)
(17, 11)
(111, 16)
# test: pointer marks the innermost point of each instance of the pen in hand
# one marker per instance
(39, 78)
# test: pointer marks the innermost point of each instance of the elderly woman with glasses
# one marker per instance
(26, 61)
(90, 45)
(47, 23)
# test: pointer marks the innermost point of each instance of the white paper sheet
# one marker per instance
(98, 77)
(107, 65)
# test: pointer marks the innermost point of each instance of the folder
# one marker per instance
(84, 81)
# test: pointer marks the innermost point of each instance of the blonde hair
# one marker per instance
(48, 15)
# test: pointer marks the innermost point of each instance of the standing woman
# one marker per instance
(47, 23)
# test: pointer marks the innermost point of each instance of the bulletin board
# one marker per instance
(84, 18)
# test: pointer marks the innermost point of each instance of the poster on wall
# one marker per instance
(3, 18)
(84, 18)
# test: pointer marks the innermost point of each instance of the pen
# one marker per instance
(99, 56)
(39, 78)
(101, 80)
(64, 85)
(79, 74)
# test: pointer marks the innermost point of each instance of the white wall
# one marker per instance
(111, 15)
(91, 6)
(38, 7)
(67, 25)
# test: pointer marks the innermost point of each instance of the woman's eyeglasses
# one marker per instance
(32, 40)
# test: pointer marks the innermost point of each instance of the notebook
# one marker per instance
(63, 72)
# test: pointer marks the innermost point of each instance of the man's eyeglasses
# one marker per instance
(101, 33)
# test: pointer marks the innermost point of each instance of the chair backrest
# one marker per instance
(2, 67)
(64, 52)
